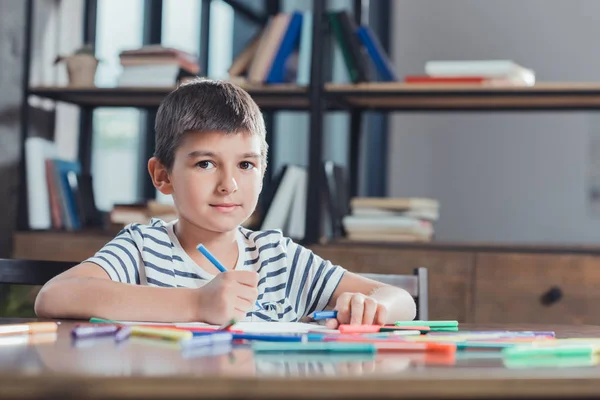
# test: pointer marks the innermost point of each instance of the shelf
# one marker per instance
(375, 96)
(403, 97)
(279, 97)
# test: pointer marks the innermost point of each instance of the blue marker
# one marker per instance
(317, 315)
(217, 264)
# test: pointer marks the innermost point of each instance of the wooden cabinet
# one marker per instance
(58, 246)
(469, 283)
(490, 284)
(450, 273)
(545, 288)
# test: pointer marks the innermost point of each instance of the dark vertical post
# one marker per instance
(153, 11)
(376, 141)
(361, 11)
(313, 206)
(272, 8)
(22, 214)
(86, 114)
(204, 37)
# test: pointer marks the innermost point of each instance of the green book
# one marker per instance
(431, 324)
(338, 347)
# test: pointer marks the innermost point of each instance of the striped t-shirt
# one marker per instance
(293, 281)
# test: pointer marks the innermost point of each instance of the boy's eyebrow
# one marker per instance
(205, 153)
(201, 153)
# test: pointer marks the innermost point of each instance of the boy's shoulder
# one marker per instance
(272, 237)
(155, 230)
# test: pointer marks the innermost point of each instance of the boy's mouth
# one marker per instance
(225, 207)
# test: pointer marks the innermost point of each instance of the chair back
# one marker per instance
(416, 285)
(30, 272)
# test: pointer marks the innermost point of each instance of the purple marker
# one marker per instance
(122, 333)
(87, 331)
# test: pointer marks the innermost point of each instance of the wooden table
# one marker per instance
(56, 367)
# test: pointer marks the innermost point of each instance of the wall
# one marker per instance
(506, 177)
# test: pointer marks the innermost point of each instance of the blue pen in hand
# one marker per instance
(217, 264)
(318, 315)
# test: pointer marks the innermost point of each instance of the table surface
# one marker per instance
(54, 366)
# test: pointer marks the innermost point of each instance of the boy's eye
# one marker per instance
(246, 165)
(205, 164)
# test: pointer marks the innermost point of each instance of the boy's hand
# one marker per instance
(230, 295)
(358, 309)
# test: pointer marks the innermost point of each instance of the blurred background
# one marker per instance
(462, 135)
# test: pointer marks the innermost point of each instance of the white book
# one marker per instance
(280, 209)
(426, 214)
(485, 68)
(37, 150)
(396, 224)
(297, 221)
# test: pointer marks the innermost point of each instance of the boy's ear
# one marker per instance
(160, 176)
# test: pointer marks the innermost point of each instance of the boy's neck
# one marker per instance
(220, 244)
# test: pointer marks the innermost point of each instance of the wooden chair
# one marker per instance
(415, 285)
(30, 272)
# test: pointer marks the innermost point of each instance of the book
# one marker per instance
(305, 50)
(353, 45)
(239, 66)
(384, 66)
(288, 43)
(267, 48)
(504, 69)
(394, 203)
(37, 150)
(279, 211)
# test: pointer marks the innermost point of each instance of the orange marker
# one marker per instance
(397, 344)
(30, 327)
(359, 328)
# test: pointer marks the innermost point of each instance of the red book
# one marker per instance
(426, 79)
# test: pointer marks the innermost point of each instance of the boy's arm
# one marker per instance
(360, 300)
(87, 291)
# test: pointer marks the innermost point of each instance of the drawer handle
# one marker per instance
(553, 295)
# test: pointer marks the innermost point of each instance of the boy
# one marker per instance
(211, 156)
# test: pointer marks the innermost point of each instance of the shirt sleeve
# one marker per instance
(120, 258)
(312, 280)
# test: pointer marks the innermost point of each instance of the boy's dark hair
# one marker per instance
(205, 105)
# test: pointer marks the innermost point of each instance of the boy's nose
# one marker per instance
(228, 185)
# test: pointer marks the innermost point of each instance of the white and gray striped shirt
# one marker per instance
(293, 281)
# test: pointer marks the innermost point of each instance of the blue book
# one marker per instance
(305, 51)
(67, 172)
(377, 53)
(286, 48)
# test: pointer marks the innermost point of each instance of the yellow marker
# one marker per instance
(161, 333)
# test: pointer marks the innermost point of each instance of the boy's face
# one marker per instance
(216, 179)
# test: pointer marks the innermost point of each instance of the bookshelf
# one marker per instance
(319, 97)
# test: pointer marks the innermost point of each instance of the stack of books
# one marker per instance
(475, 72)
(391, 219)
(156, 66)
(281, 52)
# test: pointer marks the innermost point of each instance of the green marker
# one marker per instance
(559, 351)
(550, 362)
(315, 346)
(95, 320)
(431, 324)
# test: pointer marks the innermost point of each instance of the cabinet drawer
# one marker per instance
(450, 273)
(516, 288)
